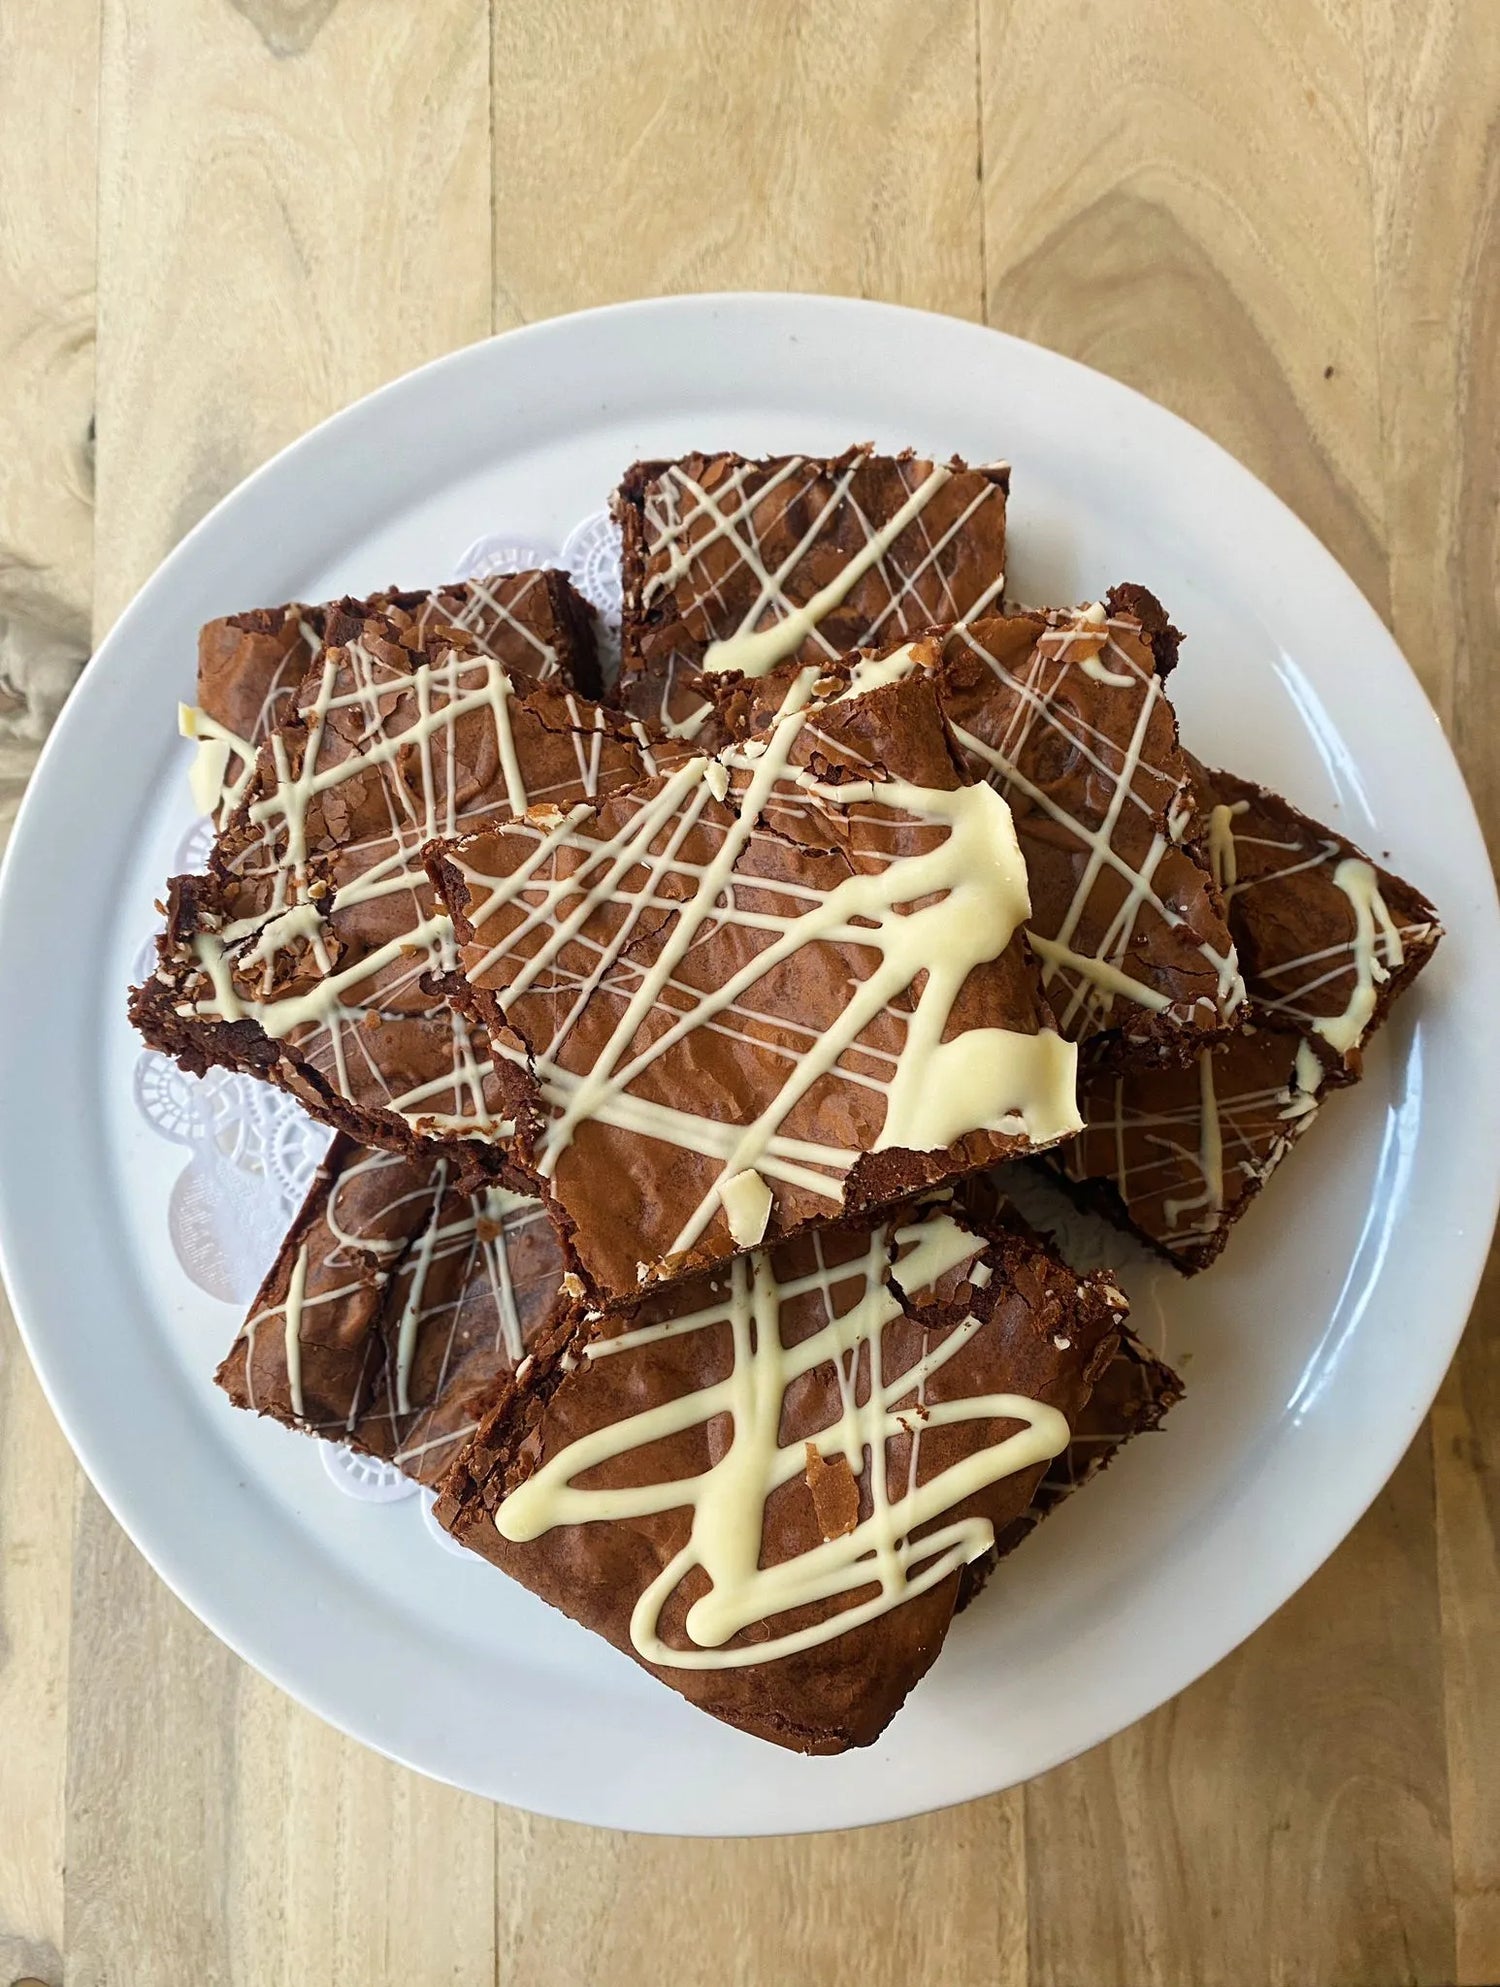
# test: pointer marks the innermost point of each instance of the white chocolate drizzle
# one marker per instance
(1374, 928)
(1097, 616)
(1182, 1165)
(391, 1232)
(1307, 1081)
(924, 920)
(292, 1337)
(488, 611)
(300, 966)
(1208, 1202)
(878, 672)
(753, 649)
(747, 1207)
(1092, 979)
(222, 752)
(1295, 989)
(1222, 860)
(215, 791)
(688, 517)
(902, 1548)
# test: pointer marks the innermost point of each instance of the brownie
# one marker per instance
(733, 564)
(1131, 1397)
(395, 1305)
(1066, 713)
(1327, 938)
(765, 989)
(249, 668)
(1176, 1155)
(1328, 941)
(765, 1484)
(311, 952)
(250, 665)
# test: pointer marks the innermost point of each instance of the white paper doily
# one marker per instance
(590, 556)
(252, 1154)
(504, 552)
(365, 1478)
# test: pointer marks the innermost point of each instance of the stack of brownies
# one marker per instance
(677, 1037)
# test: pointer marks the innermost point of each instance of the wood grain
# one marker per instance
(48, 109)
(1433, 86)
(1180, 196)
(251, 280)
(48, 115)
(1280, 221)
(1291, 1806)
(366, 1872)
(37, 1485)
(1165, 237)
(771, 145)
(936, 1903)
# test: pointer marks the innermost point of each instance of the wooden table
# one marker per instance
(222, 219)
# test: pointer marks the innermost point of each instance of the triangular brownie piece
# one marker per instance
(395, 1306)
(1131, 1397)
(1327, 938)
(1066, 713)
(1329, 941)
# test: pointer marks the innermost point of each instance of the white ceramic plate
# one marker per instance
(1312, 1353)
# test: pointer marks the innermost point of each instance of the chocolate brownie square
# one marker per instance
(311, 953)
(769, 988)
(1067, 715)
(250, 666)
(766, 1484)
(395, 1306)
(730, 564)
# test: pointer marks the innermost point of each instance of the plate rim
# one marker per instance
(161, 1554)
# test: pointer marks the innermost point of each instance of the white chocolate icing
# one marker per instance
(368, 722)
(746, 1200)
(1222, 861)
(1294, 988)
(728, 1501)
(754, 649)
(1117, 679)
(925, 920)
(1097, 975)
(1224, 1142)
(1096, 615)
(296, 1292)
(475, 606)
(451, 1257)
(1373, 927)
(1307, 1081)
(685, 519)
(1098, 972)
(1208, 1203)
(878, 672)
(214, 792)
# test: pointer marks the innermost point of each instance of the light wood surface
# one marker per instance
(1281, 220)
